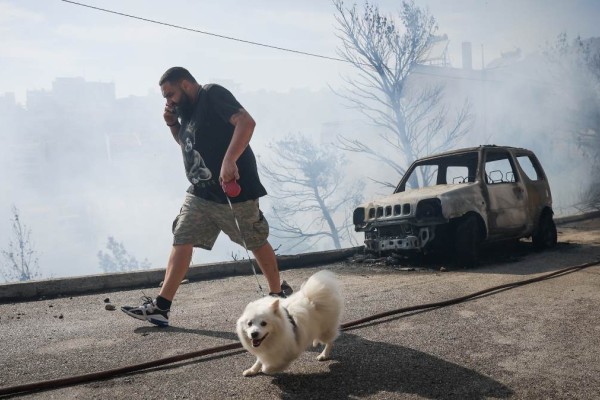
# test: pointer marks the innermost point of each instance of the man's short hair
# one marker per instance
(176, 75)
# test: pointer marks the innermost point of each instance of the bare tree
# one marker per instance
(312, 202)
(117, 259)
(20, 259)
(414, 120)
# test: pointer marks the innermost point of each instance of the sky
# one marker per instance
(45, 39)
(41, 40)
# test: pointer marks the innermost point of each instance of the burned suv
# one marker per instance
(455, 201)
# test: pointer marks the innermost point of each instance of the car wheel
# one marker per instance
(467, 242)
(545, 235)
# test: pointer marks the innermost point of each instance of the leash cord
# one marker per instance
(245, 246)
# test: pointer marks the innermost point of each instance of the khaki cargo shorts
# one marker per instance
(200, 221)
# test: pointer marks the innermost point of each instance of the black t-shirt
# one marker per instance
(204, 141)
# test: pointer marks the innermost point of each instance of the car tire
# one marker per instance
(467, 243)
(545, 236)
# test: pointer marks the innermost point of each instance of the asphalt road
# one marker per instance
(539, 341)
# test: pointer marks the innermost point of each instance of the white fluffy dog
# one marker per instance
(277, 330)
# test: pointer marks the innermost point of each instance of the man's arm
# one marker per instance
(242, 133)
(172, 122)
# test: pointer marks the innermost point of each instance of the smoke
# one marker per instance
(519, 100)
(532, 101)
(82, 165)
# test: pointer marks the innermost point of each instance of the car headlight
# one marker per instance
(429, 208)
(358, 217)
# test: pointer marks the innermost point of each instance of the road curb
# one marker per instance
(576, 218)
(61, 287)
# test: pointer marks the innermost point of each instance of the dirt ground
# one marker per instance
(538, 341)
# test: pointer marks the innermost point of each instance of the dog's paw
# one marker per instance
(254, 369)
(250, 372)
(325, 353)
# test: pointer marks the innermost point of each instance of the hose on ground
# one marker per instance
(106, 374)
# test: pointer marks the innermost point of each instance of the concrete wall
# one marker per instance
(35, 290)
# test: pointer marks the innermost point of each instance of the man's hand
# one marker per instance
(229, 171)
(170, 116)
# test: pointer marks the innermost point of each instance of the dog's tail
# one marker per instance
(322, 288)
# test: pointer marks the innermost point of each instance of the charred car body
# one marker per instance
(458, 200)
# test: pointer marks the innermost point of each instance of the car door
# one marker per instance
(536, 183)
(505, 194)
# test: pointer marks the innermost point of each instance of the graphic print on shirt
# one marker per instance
(195, 168)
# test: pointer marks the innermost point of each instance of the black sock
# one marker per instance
(163, 303)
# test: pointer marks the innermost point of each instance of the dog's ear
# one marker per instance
(275, 306)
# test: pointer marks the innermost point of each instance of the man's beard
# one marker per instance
(185, 106)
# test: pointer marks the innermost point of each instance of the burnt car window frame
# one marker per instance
(492, 155)
(535, 164)
(470, 159)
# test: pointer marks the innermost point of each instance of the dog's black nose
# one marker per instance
(254, 335)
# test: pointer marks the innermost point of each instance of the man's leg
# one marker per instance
(157, 311)
(179, 263)
(265, 257)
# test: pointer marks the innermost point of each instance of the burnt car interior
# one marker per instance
(449, 170)
(499, 168)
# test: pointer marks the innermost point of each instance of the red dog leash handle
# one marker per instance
(231, 188)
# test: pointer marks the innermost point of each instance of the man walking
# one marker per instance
(214, 133)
